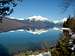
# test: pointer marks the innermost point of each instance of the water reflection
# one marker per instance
(36, 31)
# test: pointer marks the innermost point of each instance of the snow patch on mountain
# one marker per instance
(40, 18)
(17, 18)
(37, 18)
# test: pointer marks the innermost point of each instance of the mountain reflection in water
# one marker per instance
(23, 39)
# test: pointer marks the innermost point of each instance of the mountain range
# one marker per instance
(30, 23)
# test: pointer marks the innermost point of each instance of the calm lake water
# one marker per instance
(19, 40)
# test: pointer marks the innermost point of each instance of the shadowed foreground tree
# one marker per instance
(6, 7)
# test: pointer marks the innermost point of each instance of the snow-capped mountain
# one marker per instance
(42, 21)
(41, 18)
(38, 18)
(31, 23)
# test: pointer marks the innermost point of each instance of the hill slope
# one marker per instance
(10, 24)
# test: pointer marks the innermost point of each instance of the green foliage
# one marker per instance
(61, 48)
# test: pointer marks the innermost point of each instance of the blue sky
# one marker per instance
(47, 8)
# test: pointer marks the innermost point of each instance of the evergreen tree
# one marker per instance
(6, 7)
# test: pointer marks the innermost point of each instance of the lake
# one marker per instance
(18, 40)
